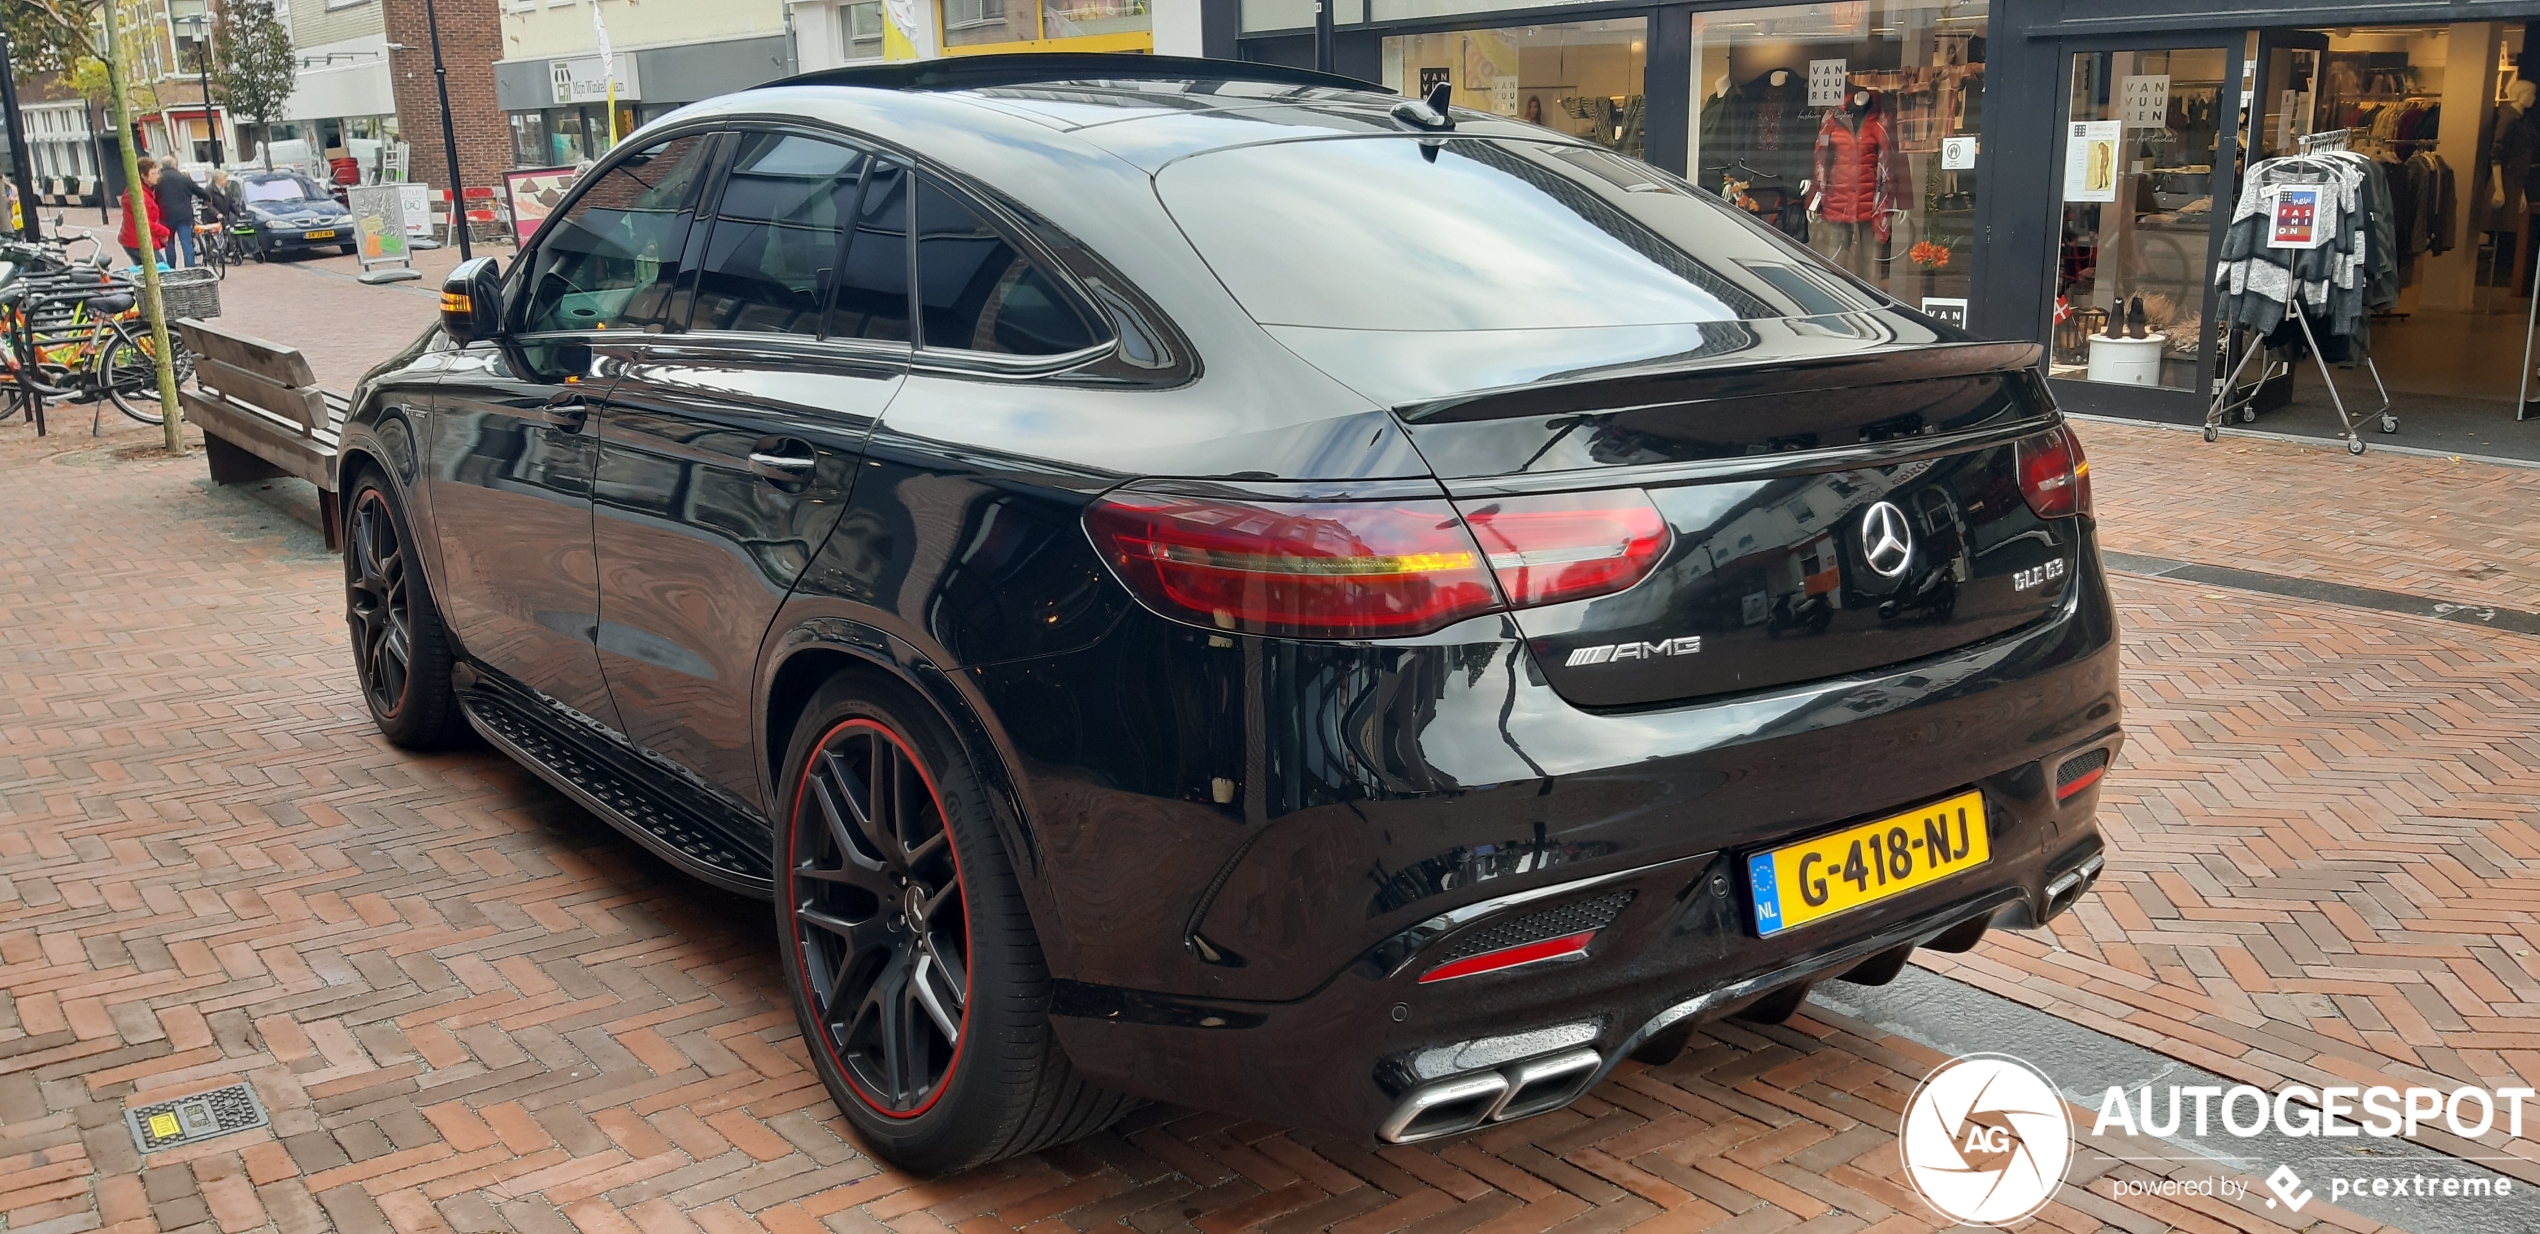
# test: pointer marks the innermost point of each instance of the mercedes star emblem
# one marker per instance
(1887, 540)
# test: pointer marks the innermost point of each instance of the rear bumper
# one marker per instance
(1251, 852)
(1372, 1055)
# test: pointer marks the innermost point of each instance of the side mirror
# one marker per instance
(472, 300)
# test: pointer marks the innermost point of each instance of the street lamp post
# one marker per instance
(21, 161)
(449, 133)
(203, 52)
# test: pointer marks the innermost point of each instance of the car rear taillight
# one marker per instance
(1568, 546)
(1336, 569)
(2054, 476)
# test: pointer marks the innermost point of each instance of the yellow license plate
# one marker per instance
(328, 234)
(1816, 879)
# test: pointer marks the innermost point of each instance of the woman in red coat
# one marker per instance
(150, 208)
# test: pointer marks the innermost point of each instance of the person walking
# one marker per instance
(149, 195)
(177, 195)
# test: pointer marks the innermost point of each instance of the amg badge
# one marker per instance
(1615, 653)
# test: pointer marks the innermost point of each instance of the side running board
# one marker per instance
(659, 806)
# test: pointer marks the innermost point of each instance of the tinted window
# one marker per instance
(872, 297)
(979, 294)
(1472, 234)
(612, 261)
(774, 249)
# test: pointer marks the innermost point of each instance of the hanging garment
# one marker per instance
(2332, 282)
(1860, 174)
(2429, 209)
(1767, 128)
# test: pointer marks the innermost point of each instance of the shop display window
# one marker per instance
(2137, 187)
(1582, 78)
(979, 23)
(1852, 126)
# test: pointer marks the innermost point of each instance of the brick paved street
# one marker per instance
(470, 1006)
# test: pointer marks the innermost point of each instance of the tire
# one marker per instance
(874, 919)
(127, 371)
(401, 650)
(349, 250)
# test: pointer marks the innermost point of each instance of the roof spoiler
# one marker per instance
(1026, 68)
(1737, 376)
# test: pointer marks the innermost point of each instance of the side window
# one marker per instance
(612, 261)
(773, 253)
(979, 294)
(872, 299)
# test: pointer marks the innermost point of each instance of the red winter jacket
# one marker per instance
(159, 232)
(1860, 175)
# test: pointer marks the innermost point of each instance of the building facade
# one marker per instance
(2038, 169)
(71, 146)
(344, 101)
(556, 90)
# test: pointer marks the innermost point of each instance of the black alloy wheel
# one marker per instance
(400, 652)
(378, 605)
(911, 958)
(880, 918)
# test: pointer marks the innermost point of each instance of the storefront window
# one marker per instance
(2137, 186)
(1853, 127)
(566, 144)
(529, 139)
(1124, 24)
(1582, 78)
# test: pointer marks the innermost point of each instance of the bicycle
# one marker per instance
(125, 369)
(211, 245)
(76, 333)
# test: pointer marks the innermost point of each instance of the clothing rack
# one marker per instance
(2320, 155)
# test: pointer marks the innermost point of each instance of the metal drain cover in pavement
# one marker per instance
(166, 1124)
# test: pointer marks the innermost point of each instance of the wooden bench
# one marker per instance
(262, 414)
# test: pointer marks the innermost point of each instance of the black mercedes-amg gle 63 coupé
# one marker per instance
(1215, 583)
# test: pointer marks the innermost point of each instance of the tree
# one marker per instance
(49, 36)
(256, 67)
(90, 78)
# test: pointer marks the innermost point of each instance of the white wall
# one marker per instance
(1177, 25)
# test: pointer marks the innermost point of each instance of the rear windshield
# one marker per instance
(1480, 234)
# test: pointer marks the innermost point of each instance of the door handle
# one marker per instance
(783, 468)
(565, 409)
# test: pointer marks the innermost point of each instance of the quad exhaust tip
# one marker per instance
(2067, 889)
(1461, 1103)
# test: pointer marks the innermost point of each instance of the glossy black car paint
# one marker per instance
(1229, 842)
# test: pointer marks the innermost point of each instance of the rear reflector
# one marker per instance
(1566, 947)
(2054, 477)
(1568, 546)
(2080, 773)
(1300, 569)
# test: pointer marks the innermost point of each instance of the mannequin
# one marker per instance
(2516, 158)
(1712, 131)
(1859, 182)
(1769, 127)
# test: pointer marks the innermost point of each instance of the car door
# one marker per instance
(515, 444)
(727, 452)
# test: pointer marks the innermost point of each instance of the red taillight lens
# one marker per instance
(1568, 546)
(1300, 569)
(2054, 476)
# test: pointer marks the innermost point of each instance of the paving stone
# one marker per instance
(469, 1004)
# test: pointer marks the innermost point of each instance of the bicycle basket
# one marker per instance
(193, 292)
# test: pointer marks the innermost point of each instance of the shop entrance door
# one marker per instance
(2146, 157)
